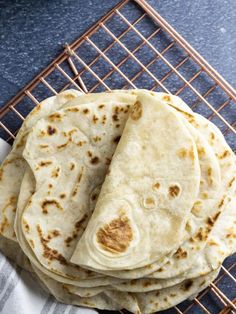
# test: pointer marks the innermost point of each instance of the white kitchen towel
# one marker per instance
(20, 293)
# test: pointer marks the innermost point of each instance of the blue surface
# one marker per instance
(32, 33)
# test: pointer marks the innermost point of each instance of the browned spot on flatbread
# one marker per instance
(55, 172)
(79, 228)
(212, 243)
(225, 154)
(64, 144)
(146, 283)
(149, 201)
(46, 203)
(116, 139)
(49, 253)
(11, 203)
(132, 282)
(85, 111)
(202, 234)
(182, 153)
(62, 195)
(101, 106)
(72, 166)
(94, 197)
(216, 216)
(231, 234)
(202, 283)
(187, 115)
(44, 163)
(201, 151)
(55, 117)
(136, 111)
(53, 234)
(231, 182)
(50, 186)
(115, 236)
(51, 130)
(26, 225)
(41, 133)
(115, 118)
(69, 96)
(96, 139)
(89, 154)
(204, 195)
(94, 160)
(221, 202)
(104, 119)
(148, 266)
(81, 143)
(72, 109)
(180, 253)
(209, 171)
(210, 221)
(212, 135)
(156, 185)
(166, 98)
(5, 224)
(74, 192)
(95, 119)
(209, 176)
(43, 145)
(187, 285)
(191, 154)
(174, 191)
(117, 109)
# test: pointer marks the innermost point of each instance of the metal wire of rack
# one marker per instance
(134, 47)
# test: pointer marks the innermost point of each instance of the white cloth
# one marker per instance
(19, 292)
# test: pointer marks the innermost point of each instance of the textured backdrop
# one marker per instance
(33, 32)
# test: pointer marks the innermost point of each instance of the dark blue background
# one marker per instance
(33, 32)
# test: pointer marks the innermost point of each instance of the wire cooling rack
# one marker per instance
(134, 47)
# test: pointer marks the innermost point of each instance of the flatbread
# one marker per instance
(13, 167)
(109, 300)
(160, 300)
(71, 149)
(27, 189)
(100, 301)
(226, 159)
(208, 233)
(221, 243)
(150, 211)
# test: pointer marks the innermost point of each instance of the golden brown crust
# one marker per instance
(116, 236)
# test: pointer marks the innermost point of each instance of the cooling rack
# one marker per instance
(134, 47)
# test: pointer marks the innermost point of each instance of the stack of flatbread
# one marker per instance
(119, 200)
